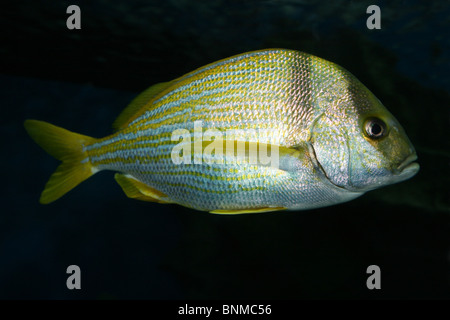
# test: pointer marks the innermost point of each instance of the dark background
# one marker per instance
(82, 79)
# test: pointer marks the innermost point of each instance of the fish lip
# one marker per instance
(408, 162)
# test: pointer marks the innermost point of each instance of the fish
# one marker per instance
(202, 141)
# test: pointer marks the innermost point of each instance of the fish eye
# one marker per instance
(375, 128)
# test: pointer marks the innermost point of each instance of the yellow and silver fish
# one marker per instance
(332, 138)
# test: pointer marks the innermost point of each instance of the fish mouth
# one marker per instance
(409, 161)
(408, 167)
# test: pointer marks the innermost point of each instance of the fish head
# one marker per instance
(358, 144)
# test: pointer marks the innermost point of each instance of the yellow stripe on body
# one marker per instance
(162, 139)
(193, 88)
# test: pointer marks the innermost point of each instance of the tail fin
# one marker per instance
(67, 147)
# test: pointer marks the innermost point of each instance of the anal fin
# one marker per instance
(137, 190)
(251, 210)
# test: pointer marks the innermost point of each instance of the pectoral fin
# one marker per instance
(255, 210)
(221, 151)
(137, 190)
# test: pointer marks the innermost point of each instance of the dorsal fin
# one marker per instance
(135, 106)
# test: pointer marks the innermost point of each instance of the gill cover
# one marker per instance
(331, 149)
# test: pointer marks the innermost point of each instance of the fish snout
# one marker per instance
(408, 167)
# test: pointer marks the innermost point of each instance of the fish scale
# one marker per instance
(274, 89)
